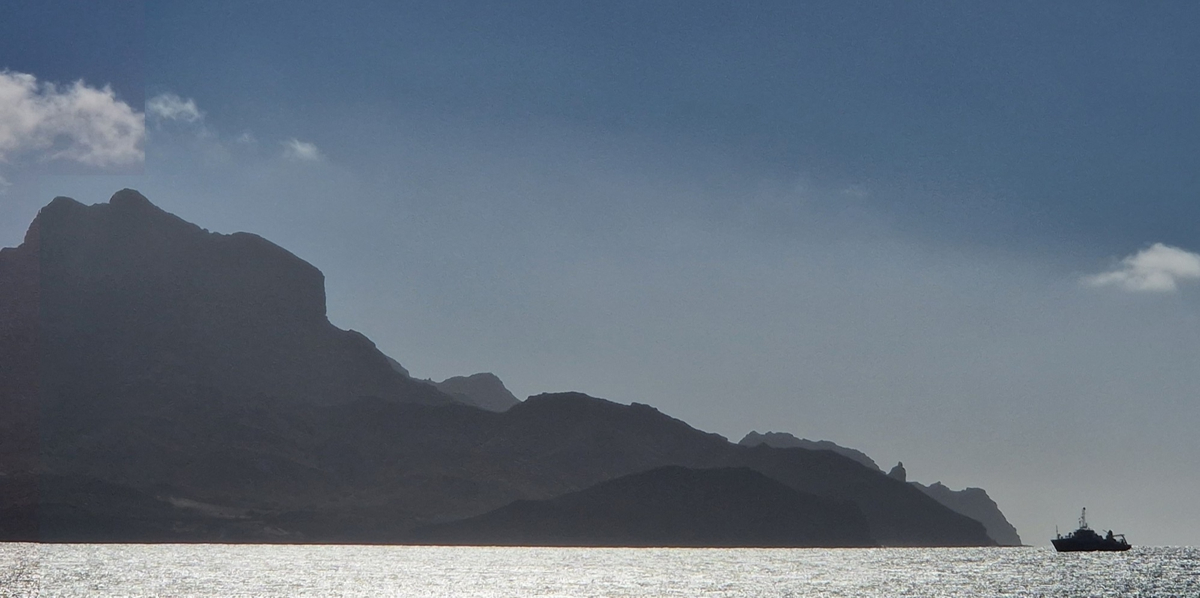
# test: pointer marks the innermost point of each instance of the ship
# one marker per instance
(1085, 539)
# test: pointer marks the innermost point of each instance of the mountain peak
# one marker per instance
(235, 314)
(130, 199)
(58, 208)
(483, 390)
(62, 203)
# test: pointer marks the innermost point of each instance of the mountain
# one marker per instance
(20, 368)
(399, 368)
(136, 303)
(976, 504)
(161, 382)
(484, 390)
(972, 502)
(786, 440)
(667, 506)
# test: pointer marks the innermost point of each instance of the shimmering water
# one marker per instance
(240, 570)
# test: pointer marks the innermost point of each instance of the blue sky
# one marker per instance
(1051, 120)
(57, 41)
(927, 231)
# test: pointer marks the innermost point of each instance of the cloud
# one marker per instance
(856, 192)
(302, 151)
(169, 106)
(1158, 268)
(77, 123)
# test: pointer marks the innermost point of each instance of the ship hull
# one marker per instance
(1065, 545)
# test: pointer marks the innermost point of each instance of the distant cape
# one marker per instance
(972, 502)
(976, 504)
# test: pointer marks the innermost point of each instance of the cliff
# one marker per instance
(162, 382)
(976, 504)
(971, 502)
(136, 302)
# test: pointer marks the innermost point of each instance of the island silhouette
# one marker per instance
(166, 383)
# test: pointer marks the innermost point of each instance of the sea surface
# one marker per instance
(428, 572)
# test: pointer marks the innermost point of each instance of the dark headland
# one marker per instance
(160, 382)
(972, 502)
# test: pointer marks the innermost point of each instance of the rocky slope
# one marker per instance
(972, 502)
(165, 382)
(786, 440)
(484, 390)
(667, 506)
(976, 504)
(136, 302)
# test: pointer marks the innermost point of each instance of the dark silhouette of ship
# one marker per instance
(1085, 539)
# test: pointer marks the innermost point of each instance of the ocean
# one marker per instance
(203, 570)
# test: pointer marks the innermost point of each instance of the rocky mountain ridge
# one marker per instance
(484, 390)
(168, 383)
(787, 440)
(972, 502)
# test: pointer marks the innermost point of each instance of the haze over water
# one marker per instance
(76, 570)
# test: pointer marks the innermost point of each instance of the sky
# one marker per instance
(958, 235)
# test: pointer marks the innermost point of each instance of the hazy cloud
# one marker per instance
(246, 138)
(294, 149)
(856, 192)
(1158, 268)
(169, 106)
(79, 123)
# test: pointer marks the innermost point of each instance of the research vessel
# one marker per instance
(1085, 539)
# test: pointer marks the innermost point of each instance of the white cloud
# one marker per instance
(78, 123)
(169, 106)
(294, 149)
(247, 138)
(1158, 268)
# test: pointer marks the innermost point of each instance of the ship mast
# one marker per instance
(1083, 519)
